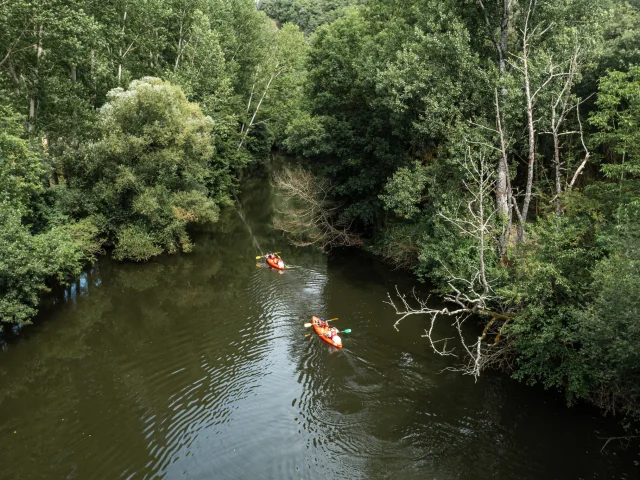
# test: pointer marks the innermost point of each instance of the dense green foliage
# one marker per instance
(28, 261)
(421, 112)
(151, 170)
(307, 14)
(33, 250)
(122, 123)
(491, 147)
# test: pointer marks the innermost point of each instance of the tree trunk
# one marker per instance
(556, 161)
(587, 154)
(504, 34)
(502, 192)
(532, 137)
(264, 94)
(32, 99)
(92, 99)
(124, 20)
(483, 275)
(179, 51)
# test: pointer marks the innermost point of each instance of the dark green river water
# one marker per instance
(197, 367)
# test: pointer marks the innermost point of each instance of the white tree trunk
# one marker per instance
(124, 21)
(587, 154)
(531, 131)
(32, 99)
(179, 50)
(264, 94)
(502, 190)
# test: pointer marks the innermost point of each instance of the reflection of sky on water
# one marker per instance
(79, 287)
(258, 387)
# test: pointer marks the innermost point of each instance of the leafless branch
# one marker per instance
(477, 355)
(627, 439)
(309, 216)
(11, 48)
(586, 152)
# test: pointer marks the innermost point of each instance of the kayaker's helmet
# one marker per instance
(336, 340)
(281, 264)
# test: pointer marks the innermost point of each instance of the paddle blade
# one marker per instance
(348, 330)
(307, 325)
(332, 319)
(258, 258)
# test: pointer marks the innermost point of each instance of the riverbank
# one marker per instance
(195, 363)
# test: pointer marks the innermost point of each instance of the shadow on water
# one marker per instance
(197, 366)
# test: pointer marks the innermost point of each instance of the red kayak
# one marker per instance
(275, 262)
(321, 331)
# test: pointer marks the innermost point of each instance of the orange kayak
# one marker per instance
(320, 331)
(276, 263)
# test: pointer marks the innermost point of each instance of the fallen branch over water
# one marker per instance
(477, 355)
(627, 439)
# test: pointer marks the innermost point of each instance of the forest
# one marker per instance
(491, 147)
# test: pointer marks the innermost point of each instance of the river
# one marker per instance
(197, 367)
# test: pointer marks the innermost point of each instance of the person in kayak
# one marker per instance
(332, 332)
(275, 257)
(333, 335)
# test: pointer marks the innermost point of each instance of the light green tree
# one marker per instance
(152, 171)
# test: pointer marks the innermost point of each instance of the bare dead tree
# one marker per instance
(476, 222)
(129, 49)
(473, 294)
(182, 41)
(530, 96)
(504, 193)
(499, 37)
(309, 216)
(530, 124)
(562, 101)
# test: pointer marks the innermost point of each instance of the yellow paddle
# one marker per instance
(307, 325)
(262, 256)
